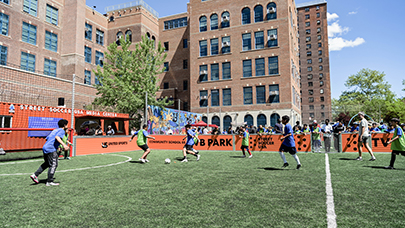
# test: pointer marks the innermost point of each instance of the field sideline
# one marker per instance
(221, 190)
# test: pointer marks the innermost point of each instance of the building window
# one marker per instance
(320, 60)
(322, 107)
(214, 97)
(312, 115)
(321, 91)
(166, 45)
(320, 52)
(185, 85)
(247, 96)
(306, 9)
(246, 42)
(311, 92)
(320, 67)
(119, 36)
(203, 48)
(97, 81)
(225, 20)
(166, 85)
(203, 98)
(214, 22)
(99, 58)
(88, 31)
(322, 99)
(6, 121)
(166, 66)
(261, 120)
(317, 7)
(311, 107)
(308, 39)
(260, 68)
(185, 43)
(227, 122)
(318, 30)
(309, 53)
(258, 13)
(309, 61)
(274, 94)
(99, 37)
(31, 7)
(176, 23)
(29, 33)
(322, 114)
(215, 120)
(3, 55)
(321, 83)
(247, 68)
(273, 65)
(271, 11)
(87, 54)
(310, 76)
(320, 76)
(215, 72)
(51, 41)
(272, 38)
(87, 77)
(226, 97)
(245, 16)
(259, 40)
(318, 15)
(185, 63)
(185, 105)
(318, 22)
(226, 44)
(310, 84)
(307, 24)
(309, 69)
(307, 17)
(203, 24)
(311, 99)
(260, 94)
(51, 14)
(203, 73)
(5, 1)
(27, 62)
(319, 44)
(249, 120)
(319, 37)
(214, 46)
(4, 24)
(226, 70)
(50, 67)
(128, 37)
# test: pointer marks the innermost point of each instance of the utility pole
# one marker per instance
(145, 118)
(73, 103)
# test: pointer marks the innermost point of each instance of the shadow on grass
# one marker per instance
(19, 159)
(43, 181)
(237, 156)
(136, 162)
(272, 168)
(381, 167)
(348, 159)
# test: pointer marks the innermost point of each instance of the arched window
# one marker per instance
(154, 41)
(245, 16)
(261, 120)
(273, 119)
(204, 119)
(271, 11)
(203, 24)
(225, 17)
(214, 22)
(119, 36)
(227, 122)
(128, 35)
(148, 35)
(215, 120)
(258, 13)
(249, 120)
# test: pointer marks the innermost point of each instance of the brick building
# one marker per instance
(314, 61)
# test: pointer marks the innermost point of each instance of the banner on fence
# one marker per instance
(378, 142)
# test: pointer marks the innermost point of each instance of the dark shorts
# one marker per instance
(363, 139)
(397, 152)
(244, 147)
(291, 150)
(144, 147)
(188, 147)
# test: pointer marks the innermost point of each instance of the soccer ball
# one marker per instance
(167, 161)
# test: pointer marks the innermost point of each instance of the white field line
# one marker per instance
(70, 170)
(331, 216)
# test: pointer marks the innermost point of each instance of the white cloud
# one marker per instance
(353, 12)
(335, 29)
(338, 43)
(331, 17)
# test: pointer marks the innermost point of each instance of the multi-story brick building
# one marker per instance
(314, 61)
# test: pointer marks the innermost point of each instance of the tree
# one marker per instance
(395, 109)
(128, 74)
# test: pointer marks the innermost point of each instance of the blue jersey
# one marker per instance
(289, 141)
(51, 144)
(375, 129)
(190, 137)
(354, 128)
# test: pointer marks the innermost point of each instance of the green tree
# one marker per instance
(395, 109)
(128, 74)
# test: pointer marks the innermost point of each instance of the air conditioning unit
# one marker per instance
(204, 97)
(272, 37)
(225, 18)
(203, 72)
(101, 59)
(226, 44)
(271, 10)
(274, 92)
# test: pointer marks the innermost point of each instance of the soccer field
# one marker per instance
(220, 190)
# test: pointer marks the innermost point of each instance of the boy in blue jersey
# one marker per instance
(53, 140)
(288, 144)
(188, 148)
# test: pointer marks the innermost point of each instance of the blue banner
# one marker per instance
(41, 122)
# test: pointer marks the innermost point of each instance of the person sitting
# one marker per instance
(99, 131)
(110, 131)
(355, 128)
(374, 128)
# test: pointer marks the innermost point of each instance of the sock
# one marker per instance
(282, 156)
(243, 151)
(296, 159)
(185, 157)
(249, 151)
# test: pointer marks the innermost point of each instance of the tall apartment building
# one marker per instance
(314, 61)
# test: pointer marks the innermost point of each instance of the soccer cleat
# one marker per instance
(389, 167)
(243, 156)
(184, 160)
(298, 166)
(251, 156)
(146, 160)
(372, 159)
(285, 165)
(198, 157)
(142, 160)
(359, 159)
(51, 184)
(34, 178)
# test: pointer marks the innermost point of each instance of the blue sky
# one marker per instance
(363, 34)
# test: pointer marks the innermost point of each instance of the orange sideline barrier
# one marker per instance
(378, 142)
(207, 142)
(273, 142)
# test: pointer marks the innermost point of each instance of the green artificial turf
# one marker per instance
(221, 190)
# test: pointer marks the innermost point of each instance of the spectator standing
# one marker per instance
(364, 138)
(278, 127)
(327, 135)
(110, 131)
(205, 131)
(382, 127)
(297, 124)
(337, 132)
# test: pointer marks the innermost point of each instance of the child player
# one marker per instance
(244, 134)
(288, 144)
(53, 140)
(65, 140)
(196, 139)
(397, 142)
(188, 148)
(142, 142)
